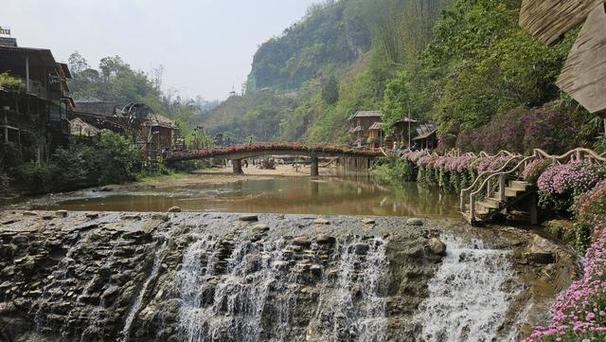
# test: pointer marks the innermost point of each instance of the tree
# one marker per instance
(330, 91)
(77, 63)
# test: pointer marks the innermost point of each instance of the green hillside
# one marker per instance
(465, 64)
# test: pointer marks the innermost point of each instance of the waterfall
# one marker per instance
(466, 299)
(245, 291)
(221, 300)
(134, 310)
(360, 272)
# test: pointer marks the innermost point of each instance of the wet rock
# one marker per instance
(368, 221)
(160, 217)
(47, 217)
(61, 213)
(248, 218)
(436, 246)
(321, 221)
(414, 222)
(30, 213)
(106, 189)
(260, 228)
(133, 217)
(301, 241)
(175, 209)
(92, 216)
(326, 240)
(361, 248)
(541, 258)
(20, 240)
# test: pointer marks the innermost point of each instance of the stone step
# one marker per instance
(487, 204)
(512, 192)
(519, 185)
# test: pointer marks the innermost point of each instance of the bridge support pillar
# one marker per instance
(237, 166)
(315, 172)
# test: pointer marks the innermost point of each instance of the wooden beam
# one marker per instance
(548, 20)
(584, 74)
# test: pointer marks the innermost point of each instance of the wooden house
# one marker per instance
(361, 123)
(427, 138)
(80, 128)
(375, 135)
(33, 116)
(402, 133)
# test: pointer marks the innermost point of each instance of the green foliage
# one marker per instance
(110, 160)
(36, 179)
(393, 170)
(331, 34)
(330, 91)
(9, 82)
(117, 159)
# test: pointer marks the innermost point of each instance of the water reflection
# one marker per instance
(293, 195)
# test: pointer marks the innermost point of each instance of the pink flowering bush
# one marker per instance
(590, 208)
(569, 178)
(579, 314)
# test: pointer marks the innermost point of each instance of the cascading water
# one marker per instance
(254, 296)
(466, 299)
(359, 309)
(136, 307)
(225, 302)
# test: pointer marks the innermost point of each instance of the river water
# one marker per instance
(292, 195)
(206, 275)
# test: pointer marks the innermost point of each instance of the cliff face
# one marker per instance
(201, 277)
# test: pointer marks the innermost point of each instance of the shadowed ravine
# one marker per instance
(217, 277)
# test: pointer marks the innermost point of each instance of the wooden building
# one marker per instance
(375, 135)
(361, 123)
(427, 138)
(402, 133)
(33, 117)
(80, 128)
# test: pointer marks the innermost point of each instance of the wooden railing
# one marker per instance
(483, 185)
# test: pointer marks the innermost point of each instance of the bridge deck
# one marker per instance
(236, 152)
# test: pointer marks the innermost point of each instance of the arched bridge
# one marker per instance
(236, 153)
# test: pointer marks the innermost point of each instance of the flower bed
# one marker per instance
(579, 314)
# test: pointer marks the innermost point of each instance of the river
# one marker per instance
(292, 195)
(268, 258)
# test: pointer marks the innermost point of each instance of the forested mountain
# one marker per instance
(464, 64)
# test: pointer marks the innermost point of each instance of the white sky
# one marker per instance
(205, 46)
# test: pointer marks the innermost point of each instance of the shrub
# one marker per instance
(563, 230)
(393, 170)
(574, 177)
(590, 207)
(34, 178)
(116, 157)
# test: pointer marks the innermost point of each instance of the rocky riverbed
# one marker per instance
(84, 276)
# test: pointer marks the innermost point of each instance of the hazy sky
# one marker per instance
(205, 46)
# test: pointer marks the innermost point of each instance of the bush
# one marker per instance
(116, 157)
(590, 207)
(36, 179)
(110, 160)
(393, 170)
(559, 185)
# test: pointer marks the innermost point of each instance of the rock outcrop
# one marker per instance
(222, 277)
